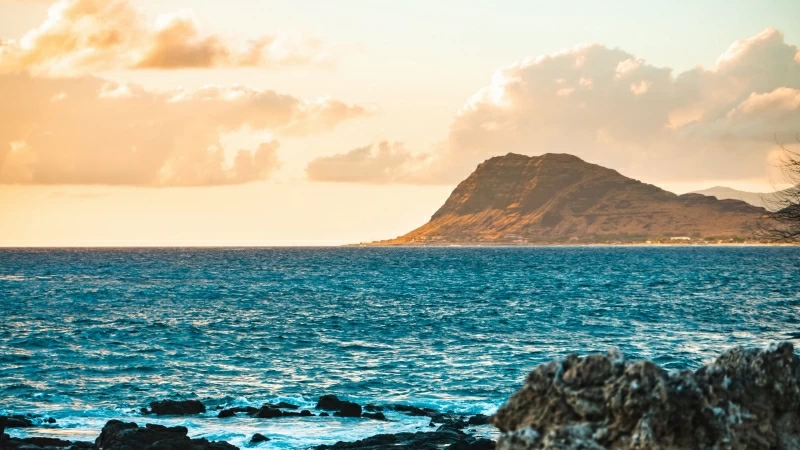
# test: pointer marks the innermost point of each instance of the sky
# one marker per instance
(177, 122)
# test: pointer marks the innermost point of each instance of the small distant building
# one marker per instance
(680, 238)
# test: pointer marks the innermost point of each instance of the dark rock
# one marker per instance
(231, 412)
(343, 408)
(455, 425)
(41, 442)
(118, 435)
(225, 413)
(18, 421)
(371, 407)
(303, 413)
(407, 441)
(415, 410)
(177, 408)
(51, 420)
(747, 398)
(479, 419)
(460, 445)
(375, 416)
(258, 437)
(284, 405)
(348, 409)
(324, 414)
(268, 413)
(328, 402)
(482, 444)
(445, 418)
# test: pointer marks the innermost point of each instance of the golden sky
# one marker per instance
(314, 123)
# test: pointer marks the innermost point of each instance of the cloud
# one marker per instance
(380, 163)
(90, 131)
(85, 36)
(612, 108)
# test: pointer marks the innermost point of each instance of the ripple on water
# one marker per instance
(90, 335)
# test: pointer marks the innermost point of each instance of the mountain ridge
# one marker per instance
(767, 200)
(557, 197)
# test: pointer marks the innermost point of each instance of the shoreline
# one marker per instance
(746, 396)
(598, 244)
(273, 425)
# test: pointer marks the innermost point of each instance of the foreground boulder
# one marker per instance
(746, 399)
(117, 435)
(176, 408)
(17, 421)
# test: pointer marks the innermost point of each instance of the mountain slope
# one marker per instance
(561, 198)
(763, 200)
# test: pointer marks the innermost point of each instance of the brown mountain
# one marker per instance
(561, 198)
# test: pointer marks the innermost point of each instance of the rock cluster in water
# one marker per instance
(117, 435)
(746, 399)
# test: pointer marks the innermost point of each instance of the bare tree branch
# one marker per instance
(782, 222)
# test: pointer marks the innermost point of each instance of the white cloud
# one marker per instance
(106, 133)
(383, 162)
(86, 36)
(614, 109)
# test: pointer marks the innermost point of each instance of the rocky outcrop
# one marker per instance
(440, 439)
(267, 411)
(44, 443)
(746, 399)
(556, 198)
(117, 435)
(16, 421)
(342, 408)
(176, 408)
(258, 438)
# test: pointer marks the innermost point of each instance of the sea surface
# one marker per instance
(88, 335)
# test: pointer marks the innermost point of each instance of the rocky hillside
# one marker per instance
(556, 198)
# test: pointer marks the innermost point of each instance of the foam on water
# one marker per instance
(93, 335)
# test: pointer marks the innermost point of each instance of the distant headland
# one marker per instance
(561, 199)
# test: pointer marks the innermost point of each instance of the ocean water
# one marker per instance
(91, 335)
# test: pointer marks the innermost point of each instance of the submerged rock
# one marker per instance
(375, 416)
(231, 412)
(284, 405)
(118, 435)
(176, 407)
(415, 410)
(747, 398)
(268, 413)
(258, 437)
(343, 408)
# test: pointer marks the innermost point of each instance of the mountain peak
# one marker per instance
(559, 197)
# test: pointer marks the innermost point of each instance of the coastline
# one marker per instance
(745, 397)
(324, 424)
(578, 245)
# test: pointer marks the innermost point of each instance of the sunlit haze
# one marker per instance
(205, 123)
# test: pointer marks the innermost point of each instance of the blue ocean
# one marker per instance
(88, 335)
